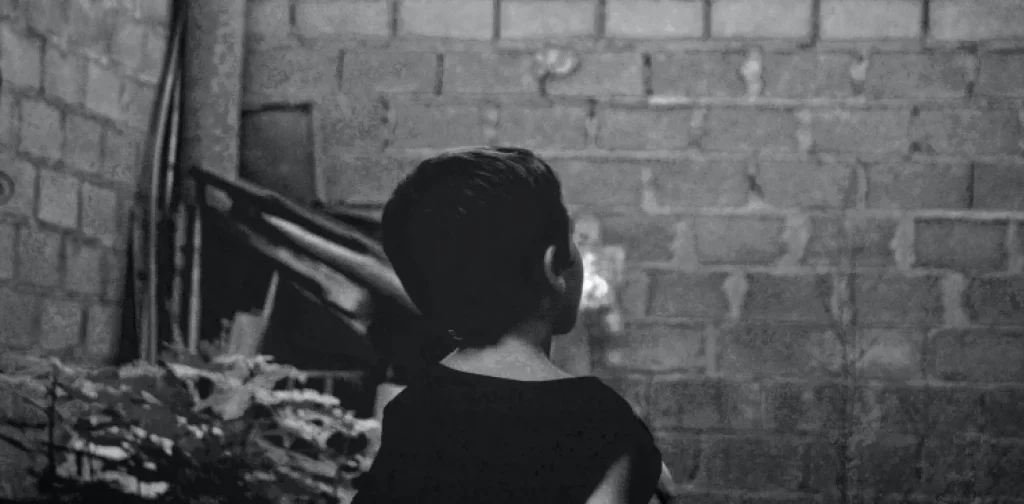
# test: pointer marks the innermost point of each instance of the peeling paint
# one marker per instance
(684, 247)
(796, 236)
(752, 72)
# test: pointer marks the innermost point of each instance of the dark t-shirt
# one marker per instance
(458, 437)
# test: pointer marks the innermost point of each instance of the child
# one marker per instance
(483, 245)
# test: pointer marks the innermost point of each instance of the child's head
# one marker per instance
(482, 243)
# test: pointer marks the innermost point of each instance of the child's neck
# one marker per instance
(515, 356)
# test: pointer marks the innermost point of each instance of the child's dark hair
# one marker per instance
(466, 233)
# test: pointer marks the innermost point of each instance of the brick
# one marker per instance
(291, 74)
(602, 75)
(9, 121)
(1003, 474)
(632, 128)
(634, 294)
(155, 10)
(739, 240)
(114, 266)
(807, 185)
(129, 43)
(654, 19)
(363, 178)
(153, 55)
(918, 186)
(83, 142)
(753, 463)
(891, 354)
(966, 246)
(978, 355)
(437, 126)
(872, 131)
(898, 301)
(656, 347)
(998, 187)
(61, 325)
(870, 19)
(968, 131)
(774, 19)
(120, 156)
(389, 71)
(353, 18)
(689, 403)
(698, 74)
(1003, 408)
(750, 129)
(41, 129)
(21, 57)
(39, 257)
(599, 183)
(807, 75)
(954, 20)
(957, 466)
(865, 239)
(83, 267)
(682, 454)
(999, 75)
(889, 463)
(64, 75)
(100, 331)
(45, 17)
(271, 19)
(23, 174)
(787, 298)
(99, 213)
(688, 295)
(644, 238)
(20, 313)
(796, 407)
(995, 301)
(557, 126)
(490, 72)
(527, 19)
(698, 184)
(929, 410)
(451, 19)
(91, 26)
(58, 198)
(140, 98)
(104, 92)
(339, 121)
(8, 236)
(918, 75)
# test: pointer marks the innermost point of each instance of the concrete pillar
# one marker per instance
(212, 85)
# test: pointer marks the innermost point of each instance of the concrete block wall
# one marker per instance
(820, 202)
(78, 84)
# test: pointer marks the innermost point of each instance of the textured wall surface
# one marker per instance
(820, 203)
(78, 84)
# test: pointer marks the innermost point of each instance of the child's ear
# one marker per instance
(555, 279)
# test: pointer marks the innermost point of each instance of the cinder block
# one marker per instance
(447, 19)
(654, 19)
(344, 18)
(957, 20)
(21, 57)
(42, 129)
(871, 19)
(99, 213)
(761, 19)
(555, 19)
(58, 198)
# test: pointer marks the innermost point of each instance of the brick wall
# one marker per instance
(78, 85)
(750, 155)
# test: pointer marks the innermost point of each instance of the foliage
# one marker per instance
(193, 430)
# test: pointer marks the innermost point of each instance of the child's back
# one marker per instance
(482, 242)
